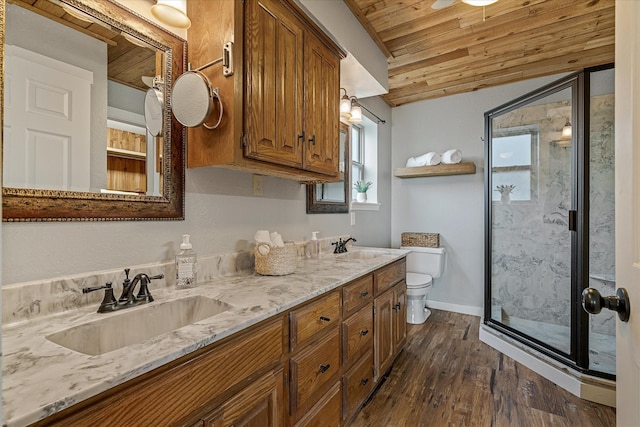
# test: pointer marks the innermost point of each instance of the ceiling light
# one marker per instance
(479, 2)
(172, 13)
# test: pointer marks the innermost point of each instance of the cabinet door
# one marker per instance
(321, 121)
(274, 84)
(383, 336)
(258, 405)
(400, 323)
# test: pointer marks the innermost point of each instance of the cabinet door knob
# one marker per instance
(325, 368)
(364, 332)
(364, 381)
(325, 319)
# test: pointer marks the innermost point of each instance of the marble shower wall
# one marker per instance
(531, 243)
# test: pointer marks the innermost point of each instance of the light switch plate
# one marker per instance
(257, 185)
(353, 218)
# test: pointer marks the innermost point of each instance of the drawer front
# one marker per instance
(327, 412)
(314, 369)
(314, 317)
(389, 275)
(357, 333)
(357, 294)
(357, 383)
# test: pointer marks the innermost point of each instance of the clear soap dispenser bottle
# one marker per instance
(186, 265)
(312, 248)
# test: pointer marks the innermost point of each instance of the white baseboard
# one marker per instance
(456, 308)
(583, 386)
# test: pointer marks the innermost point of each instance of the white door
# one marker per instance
(627, 135)
(47, 122)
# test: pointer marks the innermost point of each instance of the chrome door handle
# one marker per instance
(593, 302)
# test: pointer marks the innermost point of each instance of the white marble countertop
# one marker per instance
(40, 378)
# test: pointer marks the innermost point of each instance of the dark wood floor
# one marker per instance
(446, 377)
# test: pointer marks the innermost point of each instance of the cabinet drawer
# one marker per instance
(357, 383)
(357, 294)
(314, 317)
(314, 369)
(388, 276)
(357, 333)
(325, 413)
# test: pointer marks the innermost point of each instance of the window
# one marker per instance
(514, 162)
(357, 156)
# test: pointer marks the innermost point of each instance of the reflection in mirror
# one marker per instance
(74, 113)
(332, 197)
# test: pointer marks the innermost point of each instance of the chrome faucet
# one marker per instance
(127, 299)
(341, 247)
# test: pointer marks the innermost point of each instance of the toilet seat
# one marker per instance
(418, 280)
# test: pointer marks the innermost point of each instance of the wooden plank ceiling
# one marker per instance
(433, 53)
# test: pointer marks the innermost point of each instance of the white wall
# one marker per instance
(451, 205)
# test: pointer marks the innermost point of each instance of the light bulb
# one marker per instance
(171, 12)
(356, 114)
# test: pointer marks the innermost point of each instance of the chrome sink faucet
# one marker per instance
(127, 299)
(341, 247)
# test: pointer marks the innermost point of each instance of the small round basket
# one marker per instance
(276, 261)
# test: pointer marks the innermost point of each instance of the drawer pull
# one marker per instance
(325, 368)
(364, 381)
(364, 294)
(325, 319)
(364, 332)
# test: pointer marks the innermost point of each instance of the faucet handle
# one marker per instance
(109, 302)
(143, 293)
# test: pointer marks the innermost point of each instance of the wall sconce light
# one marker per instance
(351, 109)
(565, 136)
(345, 105)
(171, 12)
(479, 2)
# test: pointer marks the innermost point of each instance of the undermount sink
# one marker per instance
(135, 325)
(360, 254)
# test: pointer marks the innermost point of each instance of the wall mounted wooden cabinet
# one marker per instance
(281, 105)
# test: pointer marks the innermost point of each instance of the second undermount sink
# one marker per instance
(135, 325)
(360, 254)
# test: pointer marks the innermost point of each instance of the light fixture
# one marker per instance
(78, 14)
(479, 2)
(345, 105)
(171, 12)
(565, 137)
(356, 111)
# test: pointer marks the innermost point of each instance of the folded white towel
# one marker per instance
(262, 236)
(452, 156)
(430, 159)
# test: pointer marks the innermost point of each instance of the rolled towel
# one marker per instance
(262, 236)
(412, 163)
(430, 159)
(452, 156)
(276, 240)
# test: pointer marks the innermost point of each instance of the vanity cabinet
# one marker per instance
(390, 315)
(281, 113)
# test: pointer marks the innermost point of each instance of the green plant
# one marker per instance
(361, 186)
(505, 189)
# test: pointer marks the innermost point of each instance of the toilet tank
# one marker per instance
(425, 260)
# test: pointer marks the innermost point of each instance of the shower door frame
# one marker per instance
(578, 356)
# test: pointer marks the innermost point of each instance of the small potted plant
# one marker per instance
(362, 187)
(505, 191)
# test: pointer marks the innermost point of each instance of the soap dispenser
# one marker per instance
(312, 248)
(186, 265)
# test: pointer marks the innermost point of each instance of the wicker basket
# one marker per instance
(276, 261)
(428, 240)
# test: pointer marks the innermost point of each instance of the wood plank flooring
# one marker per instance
(446, 377)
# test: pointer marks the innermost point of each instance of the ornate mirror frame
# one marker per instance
(21, 204)
(323, 206)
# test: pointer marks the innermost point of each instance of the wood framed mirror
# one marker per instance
(333, 197)
(126, 173)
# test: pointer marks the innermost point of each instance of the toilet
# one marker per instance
(423, 265)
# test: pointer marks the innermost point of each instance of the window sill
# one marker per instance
(357, 206)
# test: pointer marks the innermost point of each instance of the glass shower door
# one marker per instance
(531, 211)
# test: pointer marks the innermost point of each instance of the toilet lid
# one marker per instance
(418, 280)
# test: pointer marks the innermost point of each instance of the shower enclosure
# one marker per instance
(549, 185)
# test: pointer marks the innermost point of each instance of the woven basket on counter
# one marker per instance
(276, 261)
(428, 240)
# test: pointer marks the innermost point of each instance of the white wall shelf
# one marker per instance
(464, 168)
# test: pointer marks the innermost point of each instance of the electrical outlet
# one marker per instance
(353, 218)
(257, 185)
